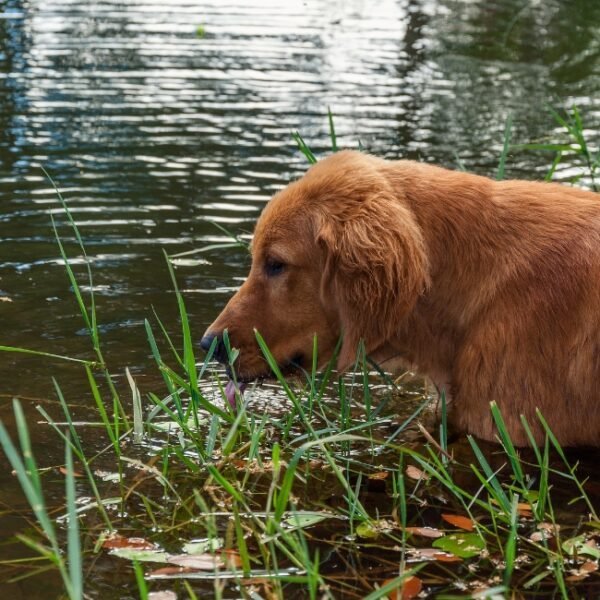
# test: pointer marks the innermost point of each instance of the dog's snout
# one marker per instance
(220, 352)
(206, 341)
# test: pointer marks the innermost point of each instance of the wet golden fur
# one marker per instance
(490, 288)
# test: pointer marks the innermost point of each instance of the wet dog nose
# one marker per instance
(206, 341)
(220, 352)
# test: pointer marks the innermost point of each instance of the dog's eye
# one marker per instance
(274, 267)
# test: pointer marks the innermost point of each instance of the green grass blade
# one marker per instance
(333, 137)
(303, 147)
(73, 543)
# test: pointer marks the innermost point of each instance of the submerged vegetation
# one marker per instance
(328, 493)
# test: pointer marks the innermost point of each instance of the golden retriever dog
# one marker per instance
(492, 289)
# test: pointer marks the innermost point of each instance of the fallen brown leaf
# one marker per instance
(200, 562)
(232, 559)
(414, 473)
(170, 571)
(379, 475)
(459, 521)
(64, 471)
(435, 554)
(429, 532)
(411, 587)
(134, 543)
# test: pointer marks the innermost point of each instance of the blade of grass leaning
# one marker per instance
(333, 137)
(140, 580)
(491, 477)
(444, 427)
(87, 363)
(108, 426)
(28, 477)
(74, 441)
(510, 548)
(303, 147)
(508, 445)
(73, 542)
(136, 398)
(566, 462)
(89, 315)
(188, 350)
(167, 337)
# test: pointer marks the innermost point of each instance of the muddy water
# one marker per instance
(158, 118)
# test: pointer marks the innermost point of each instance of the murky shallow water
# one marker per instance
(153, 132)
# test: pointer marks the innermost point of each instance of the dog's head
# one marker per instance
(337, 253)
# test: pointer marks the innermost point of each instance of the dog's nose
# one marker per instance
(206, 341)
(220, 352)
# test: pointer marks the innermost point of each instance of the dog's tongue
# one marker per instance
(231, 389)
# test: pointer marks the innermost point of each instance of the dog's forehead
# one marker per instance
(284, 224)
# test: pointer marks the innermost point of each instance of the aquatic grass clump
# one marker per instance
(342, 493)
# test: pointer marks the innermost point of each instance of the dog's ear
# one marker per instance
(375, 268)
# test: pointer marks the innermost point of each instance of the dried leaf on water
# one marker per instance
(410, 588)
(434, 554)
(134, 548)
(583, 571)
(199, 562)
(162, 595)
(169, 571)
(64, 471)
(379, 475)
(415, 473)
(428, 532)
(459, 521)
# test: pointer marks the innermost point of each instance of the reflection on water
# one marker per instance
(157, 118)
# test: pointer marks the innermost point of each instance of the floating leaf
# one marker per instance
(379, 475)
(428, 532)
(133, 543)
(233, 560)
(434, 554)
(411, 588)
(407, 590)
(162, 595)
(302, 520)
(107, 475)
(464, 545)
(589, 566)
(367, 529)
(459, 521)
(414, 473)
(167, 571)
(64, 471)
(581, 545)
(372, 529)
(141, 555)
(201, 562)
(203, 546)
